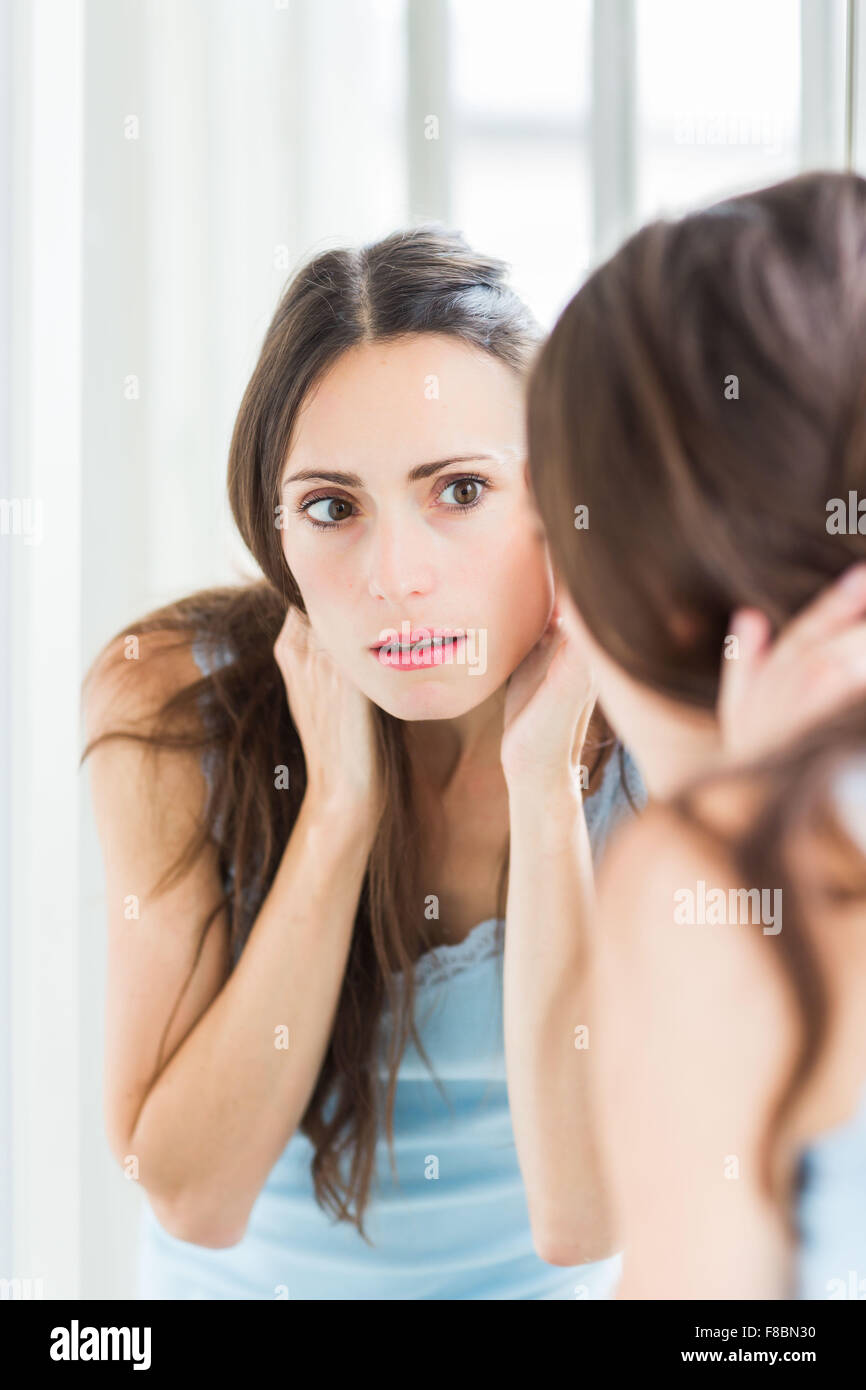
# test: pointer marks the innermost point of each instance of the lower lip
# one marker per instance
(420, 661)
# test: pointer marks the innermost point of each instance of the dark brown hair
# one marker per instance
(703, 395)
(425, 280)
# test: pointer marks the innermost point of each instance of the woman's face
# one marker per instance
(411, 457)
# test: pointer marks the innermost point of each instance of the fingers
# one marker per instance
(834, 608)
(296, 632)
(751, 628)
(831, 614)
(752, 631)
(576, 661)
(539, 658)
(573, 673)
(837, 668)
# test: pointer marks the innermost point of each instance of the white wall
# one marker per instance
(45, 642)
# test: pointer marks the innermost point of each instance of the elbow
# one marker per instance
(211, 1236)
(554, 1250)
(559, 1243)
(180, 1214)
(557, 1250)
(213, 1231)
(549, 1239)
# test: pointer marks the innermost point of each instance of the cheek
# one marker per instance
(319, 581)
(315, 570)
(530, 578)
(519, 584)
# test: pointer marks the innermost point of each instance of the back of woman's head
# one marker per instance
(703, 396)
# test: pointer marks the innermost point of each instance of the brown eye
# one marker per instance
(336, 509)
(467, 493)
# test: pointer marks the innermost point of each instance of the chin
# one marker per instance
(432, 699)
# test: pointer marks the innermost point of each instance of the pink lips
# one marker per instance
(402, 658)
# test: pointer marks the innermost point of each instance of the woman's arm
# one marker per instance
(206, 1130)
(695, 1035)
(549, 1042)
(548, 950)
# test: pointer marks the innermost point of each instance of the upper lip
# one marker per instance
(418, 634)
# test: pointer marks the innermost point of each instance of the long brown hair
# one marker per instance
(703, 396)
(424, 280)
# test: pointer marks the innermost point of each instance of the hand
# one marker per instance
(549, 702)
(333, 717)
(773, 691)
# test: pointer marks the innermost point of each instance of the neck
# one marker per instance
(443, 749)
(670, 755)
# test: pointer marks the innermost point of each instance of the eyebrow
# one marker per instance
(415, 475)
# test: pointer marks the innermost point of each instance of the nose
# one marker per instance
(399, 565)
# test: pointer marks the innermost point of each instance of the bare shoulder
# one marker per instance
(696, 952)
(697, 1033)
(674, 866)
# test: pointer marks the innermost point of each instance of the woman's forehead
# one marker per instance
(385, 408)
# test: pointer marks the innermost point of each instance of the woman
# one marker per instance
(382, 746)
(703, 399)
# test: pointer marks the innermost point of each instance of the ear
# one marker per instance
(686, 627)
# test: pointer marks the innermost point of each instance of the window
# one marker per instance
(718, 105)
(521, 177)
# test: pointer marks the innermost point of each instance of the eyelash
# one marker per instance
(452, 507)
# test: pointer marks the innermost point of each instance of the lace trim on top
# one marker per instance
(443, 962)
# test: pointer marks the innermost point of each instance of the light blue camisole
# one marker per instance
(456, 1226)
(831, 1212)
(831, 1209)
